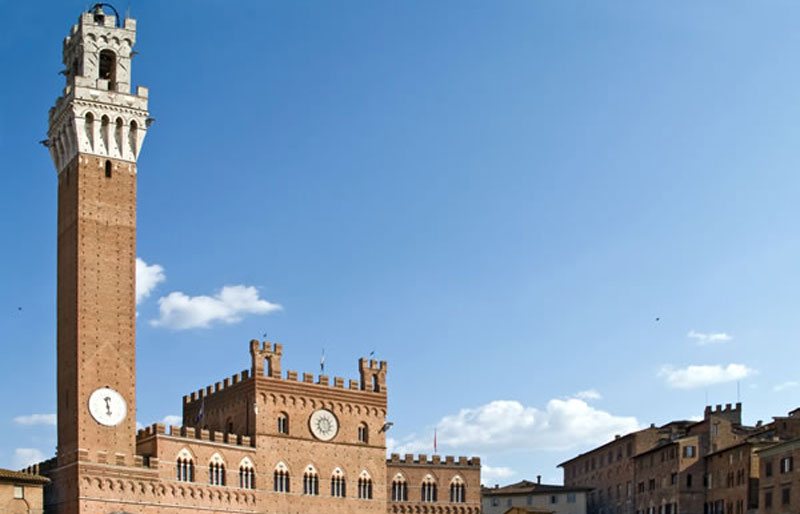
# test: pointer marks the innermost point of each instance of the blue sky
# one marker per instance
(498, 198)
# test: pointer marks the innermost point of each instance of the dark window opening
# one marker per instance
(108, 68)
(108, 169)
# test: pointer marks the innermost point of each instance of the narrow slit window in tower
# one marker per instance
(108, 169)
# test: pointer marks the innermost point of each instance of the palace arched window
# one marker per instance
(399, 488)
(338, 487)
(283, 423)
(363, 433)
(281, 478)
(216, 470)
(428, 489)
(184, 466)
(310, 481)
(364, 486)
(247, 474)
(108, 68)
(457, 490)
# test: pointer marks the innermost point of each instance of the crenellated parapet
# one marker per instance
(191, 435)
(409, 459)
(732, 413)
(267, 353)
(266, 363)
(373, 375)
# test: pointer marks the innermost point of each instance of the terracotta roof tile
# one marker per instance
(6, 475)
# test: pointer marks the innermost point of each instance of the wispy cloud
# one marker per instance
(36, 419)
(179, 311)
(148, 276)
(791, 384)
(172, 419)
(694, 376)
(508, 425)
(491, 475)
(24, 457)
(704, 338)
(589, 394)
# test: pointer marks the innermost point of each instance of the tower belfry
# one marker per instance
(96, 131)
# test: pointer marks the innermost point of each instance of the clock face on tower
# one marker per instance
(323, 424)
(107, 407)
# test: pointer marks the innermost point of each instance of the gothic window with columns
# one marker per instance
(185, 466)
(311, 481)
(216, 470)
(457, 490)
(338, 489)
(247, 474)
(281, 478)
(399, 488)
(364, 486)
(428, 489)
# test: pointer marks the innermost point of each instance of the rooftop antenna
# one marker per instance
(738, 396)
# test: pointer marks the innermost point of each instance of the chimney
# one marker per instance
(538, 479)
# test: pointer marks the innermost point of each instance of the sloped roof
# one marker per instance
(6, 475)
(528, 487)
(528, 510)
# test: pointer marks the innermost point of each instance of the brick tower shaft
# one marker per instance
(96, 131)
(96, 300)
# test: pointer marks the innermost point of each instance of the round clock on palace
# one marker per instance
(107, 407)
(323, 424)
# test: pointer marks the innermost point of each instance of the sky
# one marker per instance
(556, 220)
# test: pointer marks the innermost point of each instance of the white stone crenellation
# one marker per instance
(97, 114)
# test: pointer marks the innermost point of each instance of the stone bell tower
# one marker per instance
(96, 131)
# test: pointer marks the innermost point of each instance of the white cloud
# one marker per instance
(491, 475)
(589, 394)
(36, 419)
(708, 338)
(695, 376)
(24, 457)
(791, 384)
(148, 276)
(172, 419)
(180, 312)
(505, 425)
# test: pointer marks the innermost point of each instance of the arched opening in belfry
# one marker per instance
(108, 68)
(267, 367)
(375, 385)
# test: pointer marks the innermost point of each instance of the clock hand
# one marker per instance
(108, 405)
